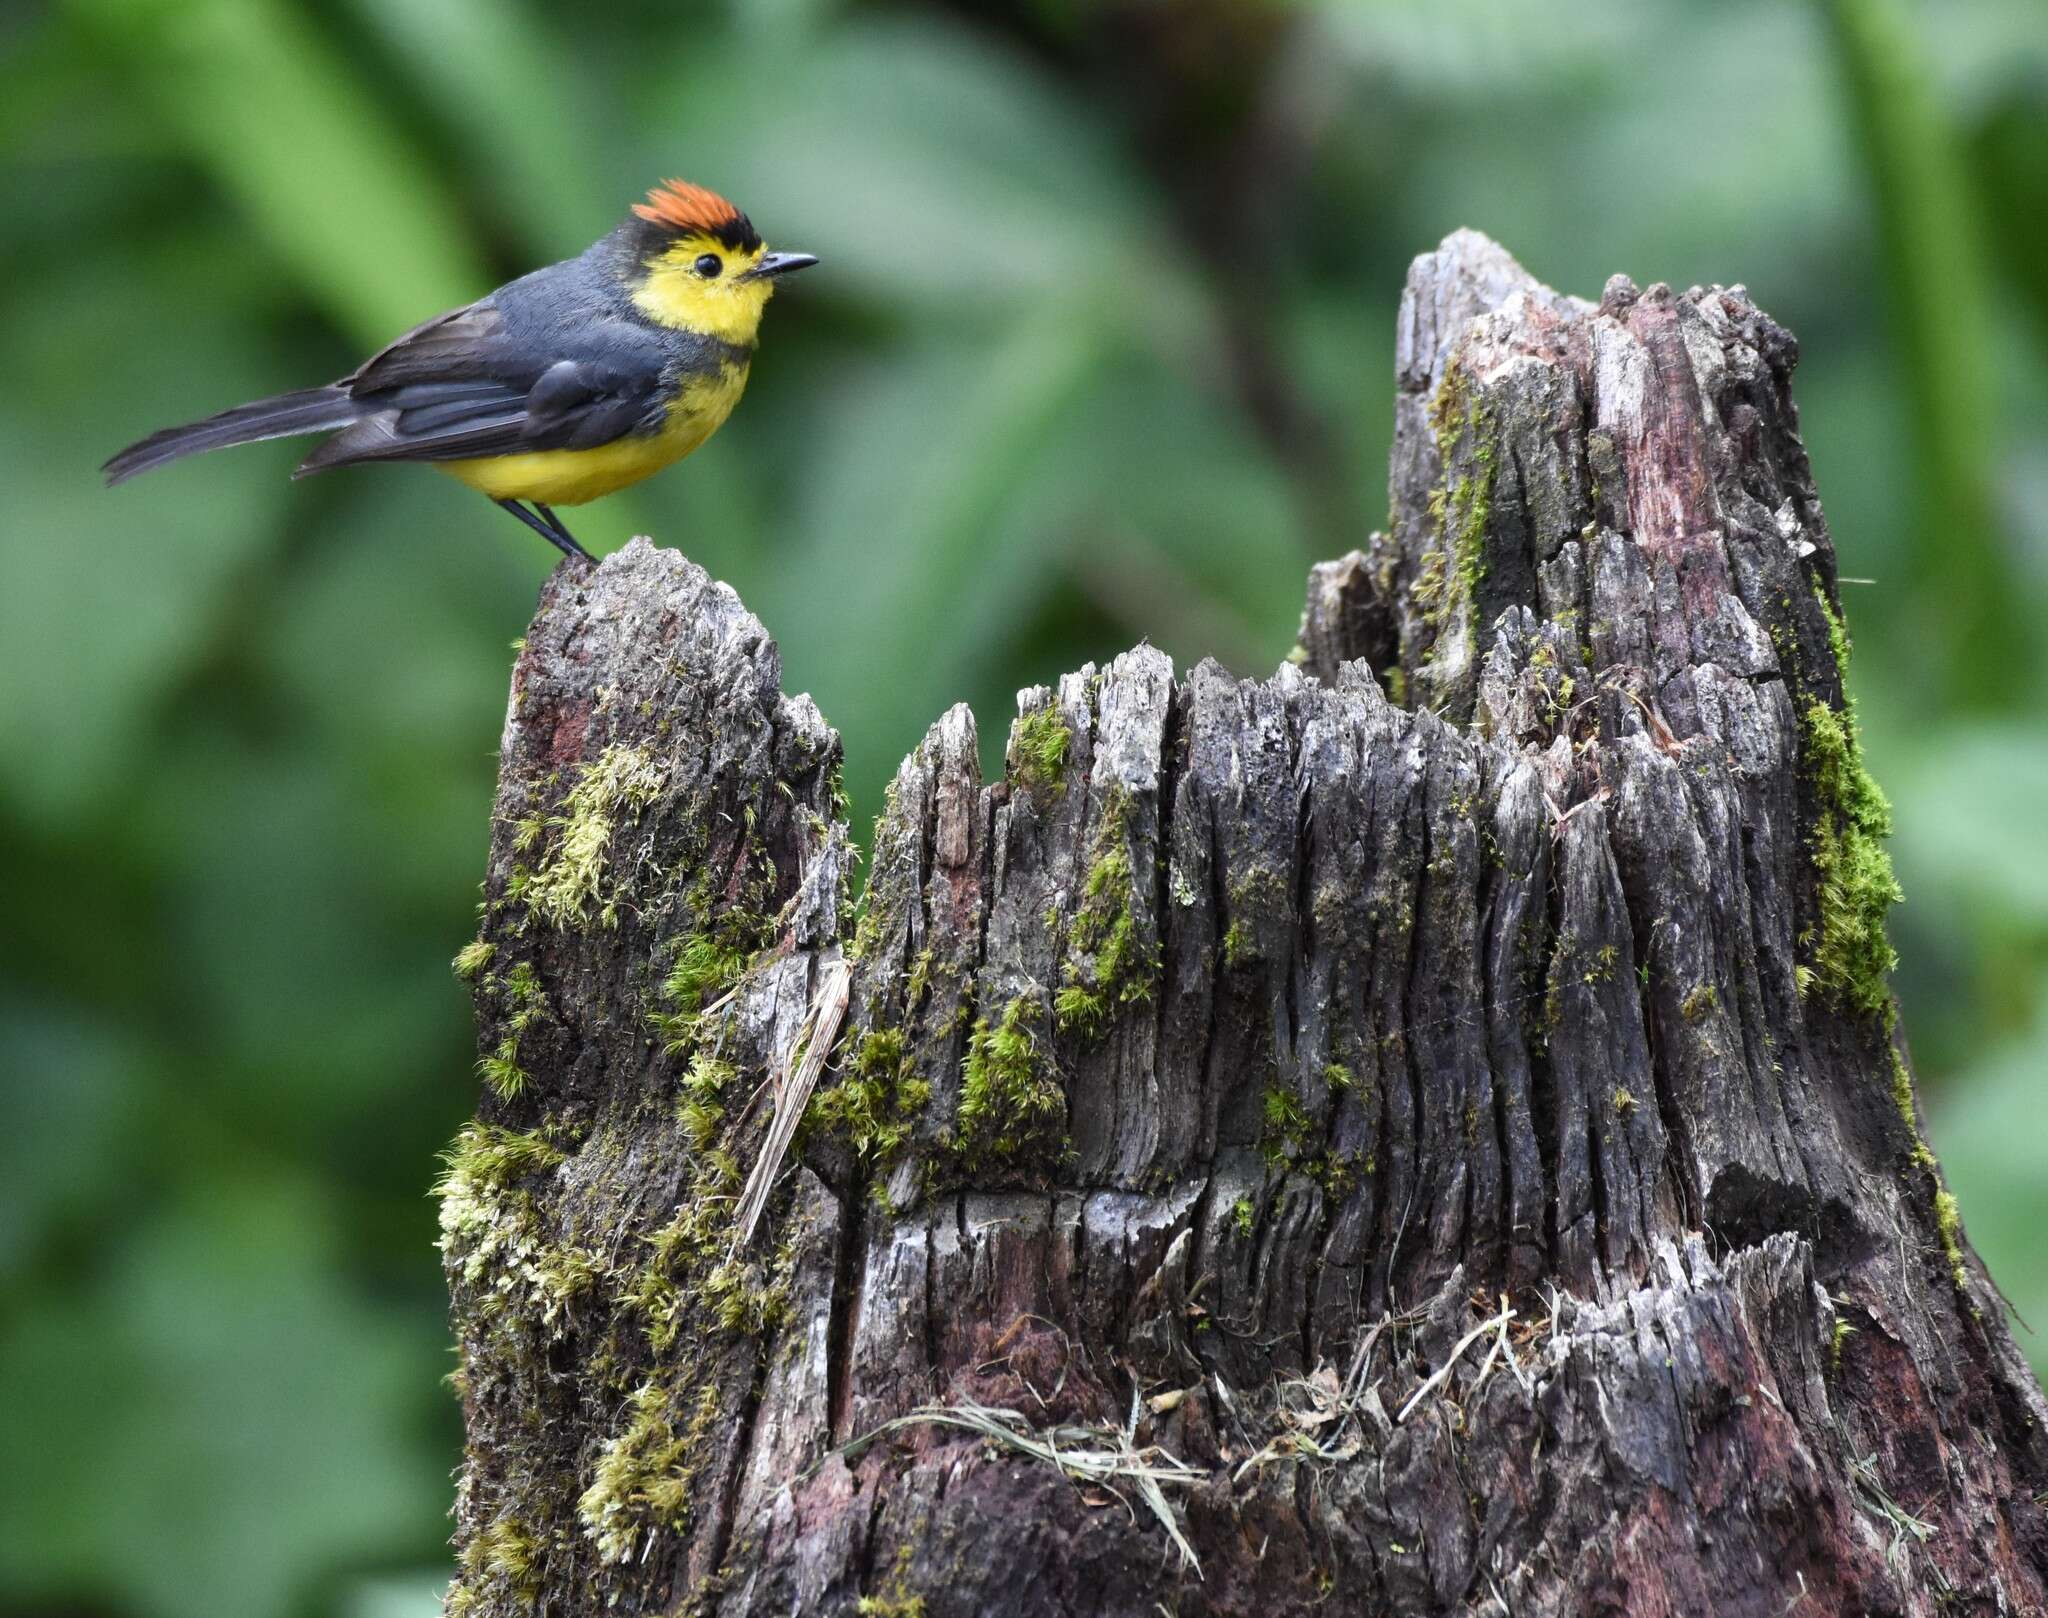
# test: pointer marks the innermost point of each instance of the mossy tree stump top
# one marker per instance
(1423, 1131)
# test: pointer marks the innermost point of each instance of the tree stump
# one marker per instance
(1427, 1131)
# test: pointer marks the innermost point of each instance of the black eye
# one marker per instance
(709, 265)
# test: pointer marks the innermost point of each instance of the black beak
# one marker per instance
(781, 264)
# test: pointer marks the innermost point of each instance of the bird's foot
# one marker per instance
(546, 524)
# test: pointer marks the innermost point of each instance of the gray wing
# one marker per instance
(469, 384)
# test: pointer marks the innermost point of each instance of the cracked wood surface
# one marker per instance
(1215, 1073)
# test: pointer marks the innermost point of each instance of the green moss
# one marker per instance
(548, 1271)
(1257, 892)
(523, 990)
(1453, 570)
(645, 1478)
(867, 930)
(896, 1599)
(700, 1109)
(690, 1266)
(502, 1072)
(1039, 742)
(505, 1550)
(1244, 1215)
(1948, 1223)
(525, 1005)
(744, 1300)
(706, 964)
(1471, 502)
(1338, 1173)
(1285, 1137)
(1083, 1009)
(1699, 1002)
(485, 1155)
(652, 1294)
(876, 1104)
(1011, 1105)
(920, 980)
(492, 1238)
(1948, 1219)
(1838, 636)
(1624, 1103)
(568, 878)
(472, 958)
(1108, 965)
(568, 1272)
(1902, 1098)
(1427, 591)
(1837, 1342)
(1851, 953)
(1238, 948)
(1338, 1077)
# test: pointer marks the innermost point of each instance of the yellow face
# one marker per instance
(700, 284)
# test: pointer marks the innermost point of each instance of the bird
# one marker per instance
(560, 387)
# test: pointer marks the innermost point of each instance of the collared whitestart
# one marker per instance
(557, 388)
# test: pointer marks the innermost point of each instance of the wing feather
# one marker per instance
(466, 385)
(466, 343)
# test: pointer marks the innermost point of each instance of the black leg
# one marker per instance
(547, 515)
(555, 535)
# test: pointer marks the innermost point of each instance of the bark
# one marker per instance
(1425, 1131)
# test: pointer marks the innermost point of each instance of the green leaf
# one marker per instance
(1934, 261)
(534, 152)
(214, 1417)
(278, 117)
(1968, 805)
(931, 171)
(110, 594)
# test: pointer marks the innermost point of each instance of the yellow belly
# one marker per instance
(568, 477)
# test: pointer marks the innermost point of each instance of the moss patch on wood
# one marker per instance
(1012, 1108)
(492, 1238)
(519, 991)
(645, 1476)
(1851, 955)
(570, 874)
(472, 958)
(1108, 965)
(878, 1099)
(1948, 1217)
(1453, 569)
(1286, 1133)
(539, 1270)
(1039, 743)
(708, 960)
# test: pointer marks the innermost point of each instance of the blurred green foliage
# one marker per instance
(1101, 350)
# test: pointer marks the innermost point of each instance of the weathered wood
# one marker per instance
(1216, 1076)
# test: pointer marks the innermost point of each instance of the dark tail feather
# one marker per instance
(311, 410)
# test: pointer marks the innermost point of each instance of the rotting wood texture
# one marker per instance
(1426, 1131)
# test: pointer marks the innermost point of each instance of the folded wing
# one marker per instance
(465, 386)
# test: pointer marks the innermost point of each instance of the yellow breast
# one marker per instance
(568, 477)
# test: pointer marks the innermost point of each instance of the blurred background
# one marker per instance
(1102, 350)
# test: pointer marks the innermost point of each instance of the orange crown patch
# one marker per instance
(694, 210)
